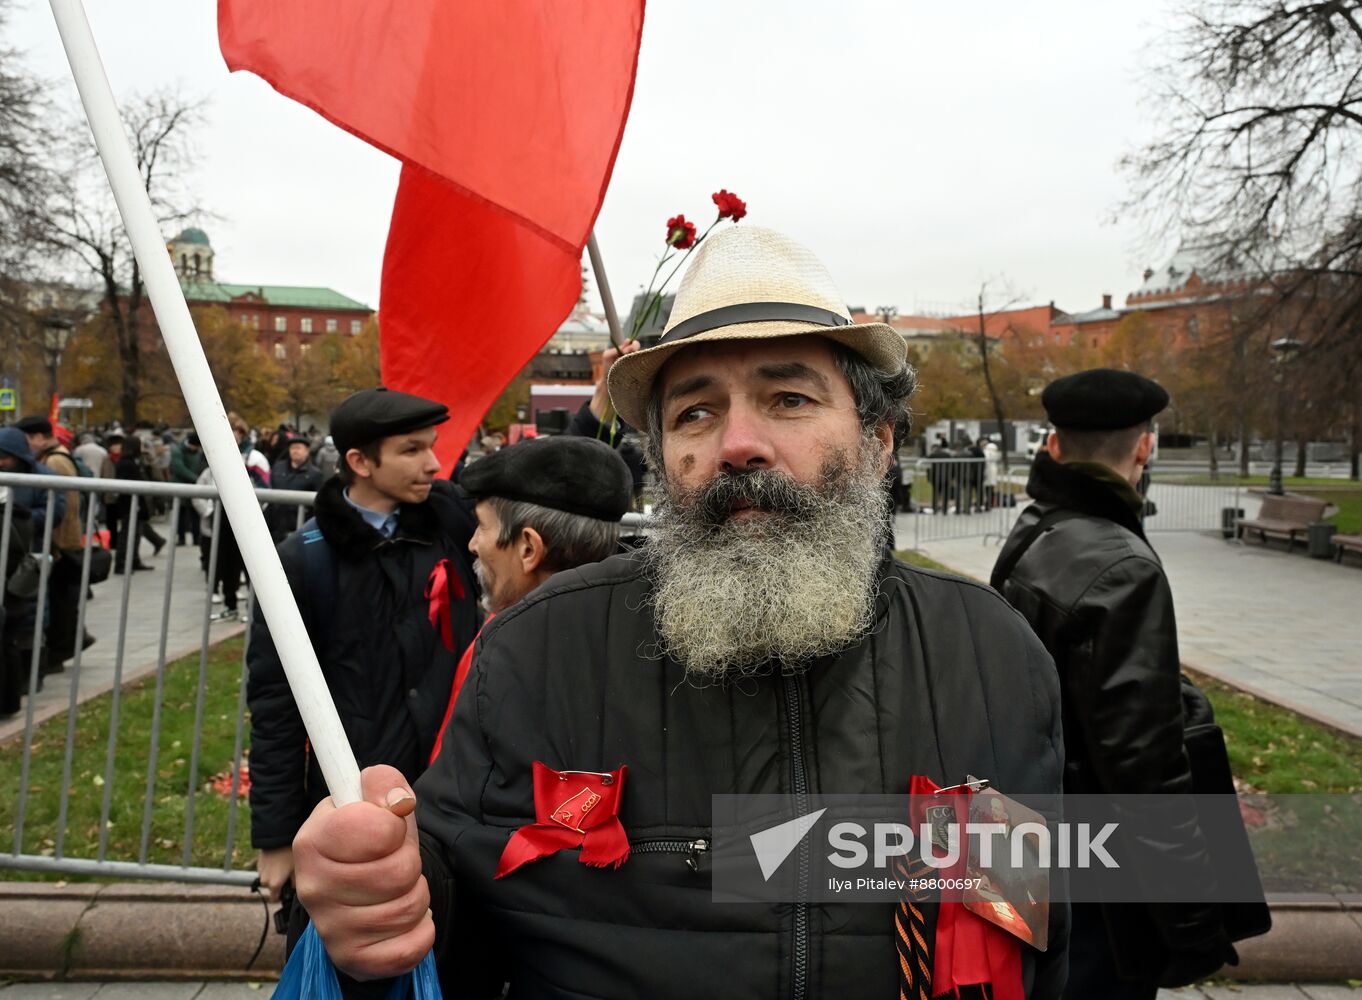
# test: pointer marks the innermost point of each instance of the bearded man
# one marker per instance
(763, 642)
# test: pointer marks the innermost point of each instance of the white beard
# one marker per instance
(735, 595)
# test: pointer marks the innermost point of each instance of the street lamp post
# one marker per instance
(56, 333)
(1283, 348)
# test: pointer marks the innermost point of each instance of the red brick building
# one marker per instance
(287, 318)
(1188, 301)
(1181, 304)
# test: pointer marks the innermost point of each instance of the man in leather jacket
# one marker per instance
(762, 641)
(1080, 570)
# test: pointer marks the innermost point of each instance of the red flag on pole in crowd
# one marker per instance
(507, 115)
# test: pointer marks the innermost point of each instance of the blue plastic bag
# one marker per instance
(309, 975)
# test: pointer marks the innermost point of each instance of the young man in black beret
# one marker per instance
(1079, 569)
(388, 543)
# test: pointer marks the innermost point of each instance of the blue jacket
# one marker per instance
(14, 442)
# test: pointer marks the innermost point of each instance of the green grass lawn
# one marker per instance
(1277, 751)
(1349, 516)
(129, 783)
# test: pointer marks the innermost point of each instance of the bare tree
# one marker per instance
(24, 182)
(1259, 162)
(1261, 109)
(985, 345)
(24, 173)
(83, 221)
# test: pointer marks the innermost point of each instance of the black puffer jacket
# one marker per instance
(950, 682)
(385, 664)
(1096, 594)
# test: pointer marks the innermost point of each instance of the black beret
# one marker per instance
(573, 474)
(35, 425)
(1102, 399)
(372, 414)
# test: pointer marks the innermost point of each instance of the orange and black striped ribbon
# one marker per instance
(910, 937)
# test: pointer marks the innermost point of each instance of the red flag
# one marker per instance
(507, 115)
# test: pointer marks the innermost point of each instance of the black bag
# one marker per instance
(1231, 856)
(24, 578)
(1134, 939)
(101, 563)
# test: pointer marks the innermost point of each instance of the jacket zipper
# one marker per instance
(695, 849)
(800, 782)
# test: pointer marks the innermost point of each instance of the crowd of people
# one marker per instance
(124, 527)
(965, 477)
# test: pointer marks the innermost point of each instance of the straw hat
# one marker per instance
(749, 283)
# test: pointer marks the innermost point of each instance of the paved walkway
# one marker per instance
(1282, 626)
(142, 639)
(259, 991)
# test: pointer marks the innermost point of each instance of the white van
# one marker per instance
(1035, 440)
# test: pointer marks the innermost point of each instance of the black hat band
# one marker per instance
(753, 312)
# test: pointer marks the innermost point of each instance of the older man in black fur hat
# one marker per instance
(1078, 567)
(543, 506)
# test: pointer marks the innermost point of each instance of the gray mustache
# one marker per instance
(761, 489)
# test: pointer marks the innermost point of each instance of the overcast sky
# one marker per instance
(918, 148)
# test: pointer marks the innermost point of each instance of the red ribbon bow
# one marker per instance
(438, 586)
(969, 950)
(571, 809)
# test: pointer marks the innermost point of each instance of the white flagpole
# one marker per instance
(205, 407)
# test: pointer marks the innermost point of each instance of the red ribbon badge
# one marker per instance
(969, 950)
(571, 809)
(438, 586)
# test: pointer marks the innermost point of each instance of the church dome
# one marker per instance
(193, 235)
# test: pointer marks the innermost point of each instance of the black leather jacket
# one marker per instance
(950, 682)
(1096, 594)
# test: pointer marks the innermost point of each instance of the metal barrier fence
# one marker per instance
(962, 498)
(51, 854)
(162, 798)
(959, 498)
(1181, 506)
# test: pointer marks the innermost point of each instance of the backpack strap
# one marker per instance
(319, 575)
(1006, 565)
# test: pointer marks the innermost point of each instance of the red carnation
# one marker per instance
(680, 233)
(730, 205)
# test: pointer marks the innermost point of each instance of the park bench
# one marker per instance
(1343, 543)
(1283, 517)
